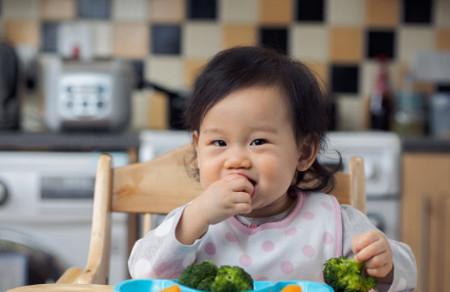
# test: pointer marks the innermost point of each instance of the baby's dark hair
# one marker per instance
(244, 67)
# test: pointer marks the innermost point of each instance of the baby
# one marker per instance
(258, 121)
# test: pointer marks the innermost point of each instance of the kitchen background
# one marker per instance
(47, 170)
(167, 42)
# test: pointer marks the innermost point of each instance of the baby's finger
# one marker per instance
(361, 241)
(377, 261)
(242, 208)
(241, 197)
(380, 272)
(239, 183)
(374, 249)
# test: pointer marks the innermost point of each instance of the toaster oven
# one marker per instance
(87, 95)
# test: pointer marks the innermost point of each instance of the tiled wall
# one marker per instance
(172, 39)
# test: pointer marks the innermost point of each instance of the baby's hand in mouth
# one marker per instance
(247, 184)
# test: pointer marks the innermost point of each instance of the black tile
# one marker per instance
(308, 10)
(380, 43)
(138, 70)
(49, 37)
(202, 9)
(166, 39)
(94, 9)
(443, 87)
(417, 11)
(344, 78)
(275, 38)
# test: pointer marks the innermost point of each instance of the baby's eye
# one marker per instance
(219, 143)
(257, 142)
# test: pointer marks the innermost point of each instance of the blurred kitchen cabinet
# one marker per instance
(426, 216)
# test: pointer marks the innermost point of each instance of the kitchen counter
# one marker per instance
(425, 144)
(76, 141)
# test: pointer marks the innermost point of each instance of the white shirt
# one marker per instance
(295, 247)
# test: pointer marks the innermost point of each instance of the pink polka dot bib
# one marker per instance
(295, 247)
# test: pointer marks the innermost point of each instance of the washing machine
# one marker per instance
(45, 216)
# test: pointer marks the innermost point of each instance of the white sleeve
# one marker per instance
(159, 254)
(355, 222)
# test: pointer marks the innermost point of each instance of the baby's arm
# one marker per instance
(222, 199)
(403, 276)
(158, 254)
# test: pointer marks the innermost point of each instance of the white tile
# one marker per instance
(352, 116)
(239, 11)
(76, 34)
(20, 9)
(167, 71)
(202, 39)
(309, 42)
(103, 42)
(442, 13)
(346, 12)
(414, 39)
(130, 9)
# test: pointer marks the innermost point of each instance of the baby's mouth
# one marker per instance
(253, 182)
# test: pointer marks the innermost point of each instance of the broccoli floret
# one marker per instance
(205, 284)
(196, 274)
(345, 275)
(232, 279)
(207, 276)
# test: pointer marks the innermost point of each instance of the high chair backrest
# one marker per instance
(158, 186)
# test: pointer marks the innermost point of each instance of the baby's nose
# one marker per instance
(238, 163)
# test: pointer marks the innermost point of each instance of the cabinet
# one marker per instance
(426, 216)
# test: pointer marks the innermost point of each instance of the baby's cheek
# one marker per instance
(275, 177)
(208, 174)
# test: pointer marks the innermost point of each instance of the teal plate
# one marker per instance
(156, 285)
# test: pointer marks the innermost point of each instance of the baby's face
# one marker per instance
(250, 132)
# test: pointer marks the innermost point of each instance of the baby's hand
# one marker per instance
(373, 248)
(226, 197)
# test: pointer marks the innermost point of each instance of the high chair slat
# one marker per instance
(155, 186)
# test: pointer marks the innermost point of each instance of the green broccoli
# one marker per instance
(195, 274)
(346, 275)
(207, 276)
(232, 279)
(205, 283)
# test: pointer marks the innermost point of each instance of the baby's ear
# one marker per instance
(308, 150)
(195, 139)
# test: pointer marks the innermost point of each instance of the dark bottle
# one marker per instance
(381, 101)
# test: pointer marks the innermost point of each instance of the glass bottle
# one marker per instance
(381, 107)
(409, 117)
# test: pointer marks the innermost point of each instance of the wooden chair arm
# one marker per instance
(97, 267)
(357, 184)
(69, 276)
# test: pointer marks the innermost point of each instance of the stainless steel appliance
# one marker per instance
(380, 150)
(45, 215)
(87, 96)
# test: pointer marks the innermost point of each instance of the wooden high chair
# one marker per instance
(156, 187)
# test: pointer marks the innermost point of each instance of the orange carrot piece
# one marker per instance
(292, 288)
(173, 288)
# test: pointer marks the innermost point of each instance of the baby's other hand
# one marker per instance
(373, 248)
